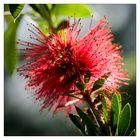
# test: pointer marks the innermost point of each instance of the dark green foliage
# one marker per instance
(42, 9)
(77, 121)
(117, 126)
(80, 86)
(15, 9)
(133, 133)
(100, 82)
(84, 123)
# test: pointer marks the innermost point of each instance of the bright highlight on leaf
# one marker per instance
(76, 10)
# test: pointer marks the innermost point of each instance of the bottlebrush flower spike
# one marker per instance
(58, 61)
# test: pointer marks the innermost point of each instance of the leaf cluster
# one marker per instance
(116, 121)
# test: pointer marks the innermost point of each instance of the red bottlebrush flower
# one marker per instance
(58, 61)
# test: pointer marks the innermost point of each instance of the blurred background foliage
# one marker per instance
(21, 115)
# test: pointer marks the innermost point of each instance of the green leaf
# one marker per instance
(124, 120)
(43, 25)
(42, 9)
(10, 47)
(100, 82)
(87, 77)
(35, 8)
(115, 111)
(105, 115)
(120, 101)
(80, 86)
(133, 133)
(15, 9)
(77, 10)
(104, 108)
(77, 121)
(49, 6)
(92, 129)
(45, 13)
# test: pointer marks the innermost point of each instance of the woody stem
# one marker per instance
(92, 108)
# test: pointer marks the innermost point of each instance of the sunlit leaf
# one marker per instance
(124, 120)
(8, 20)
(49, 6)
(15, 9)
(10, 47)
(77, 10)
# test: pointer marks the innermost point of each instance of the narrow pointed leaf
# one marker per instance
(80, 86)
(10, 47)
(105, 115)
(76, 120)
(120, 101)
(100, 82)
(92, 129)
(42, 9)
(34, 7)
(133, 133)
(104, 108)
(124, 120)
(15, 9)
(114, 113)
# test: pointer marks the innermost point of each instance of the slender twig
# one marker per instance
(91, 107)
